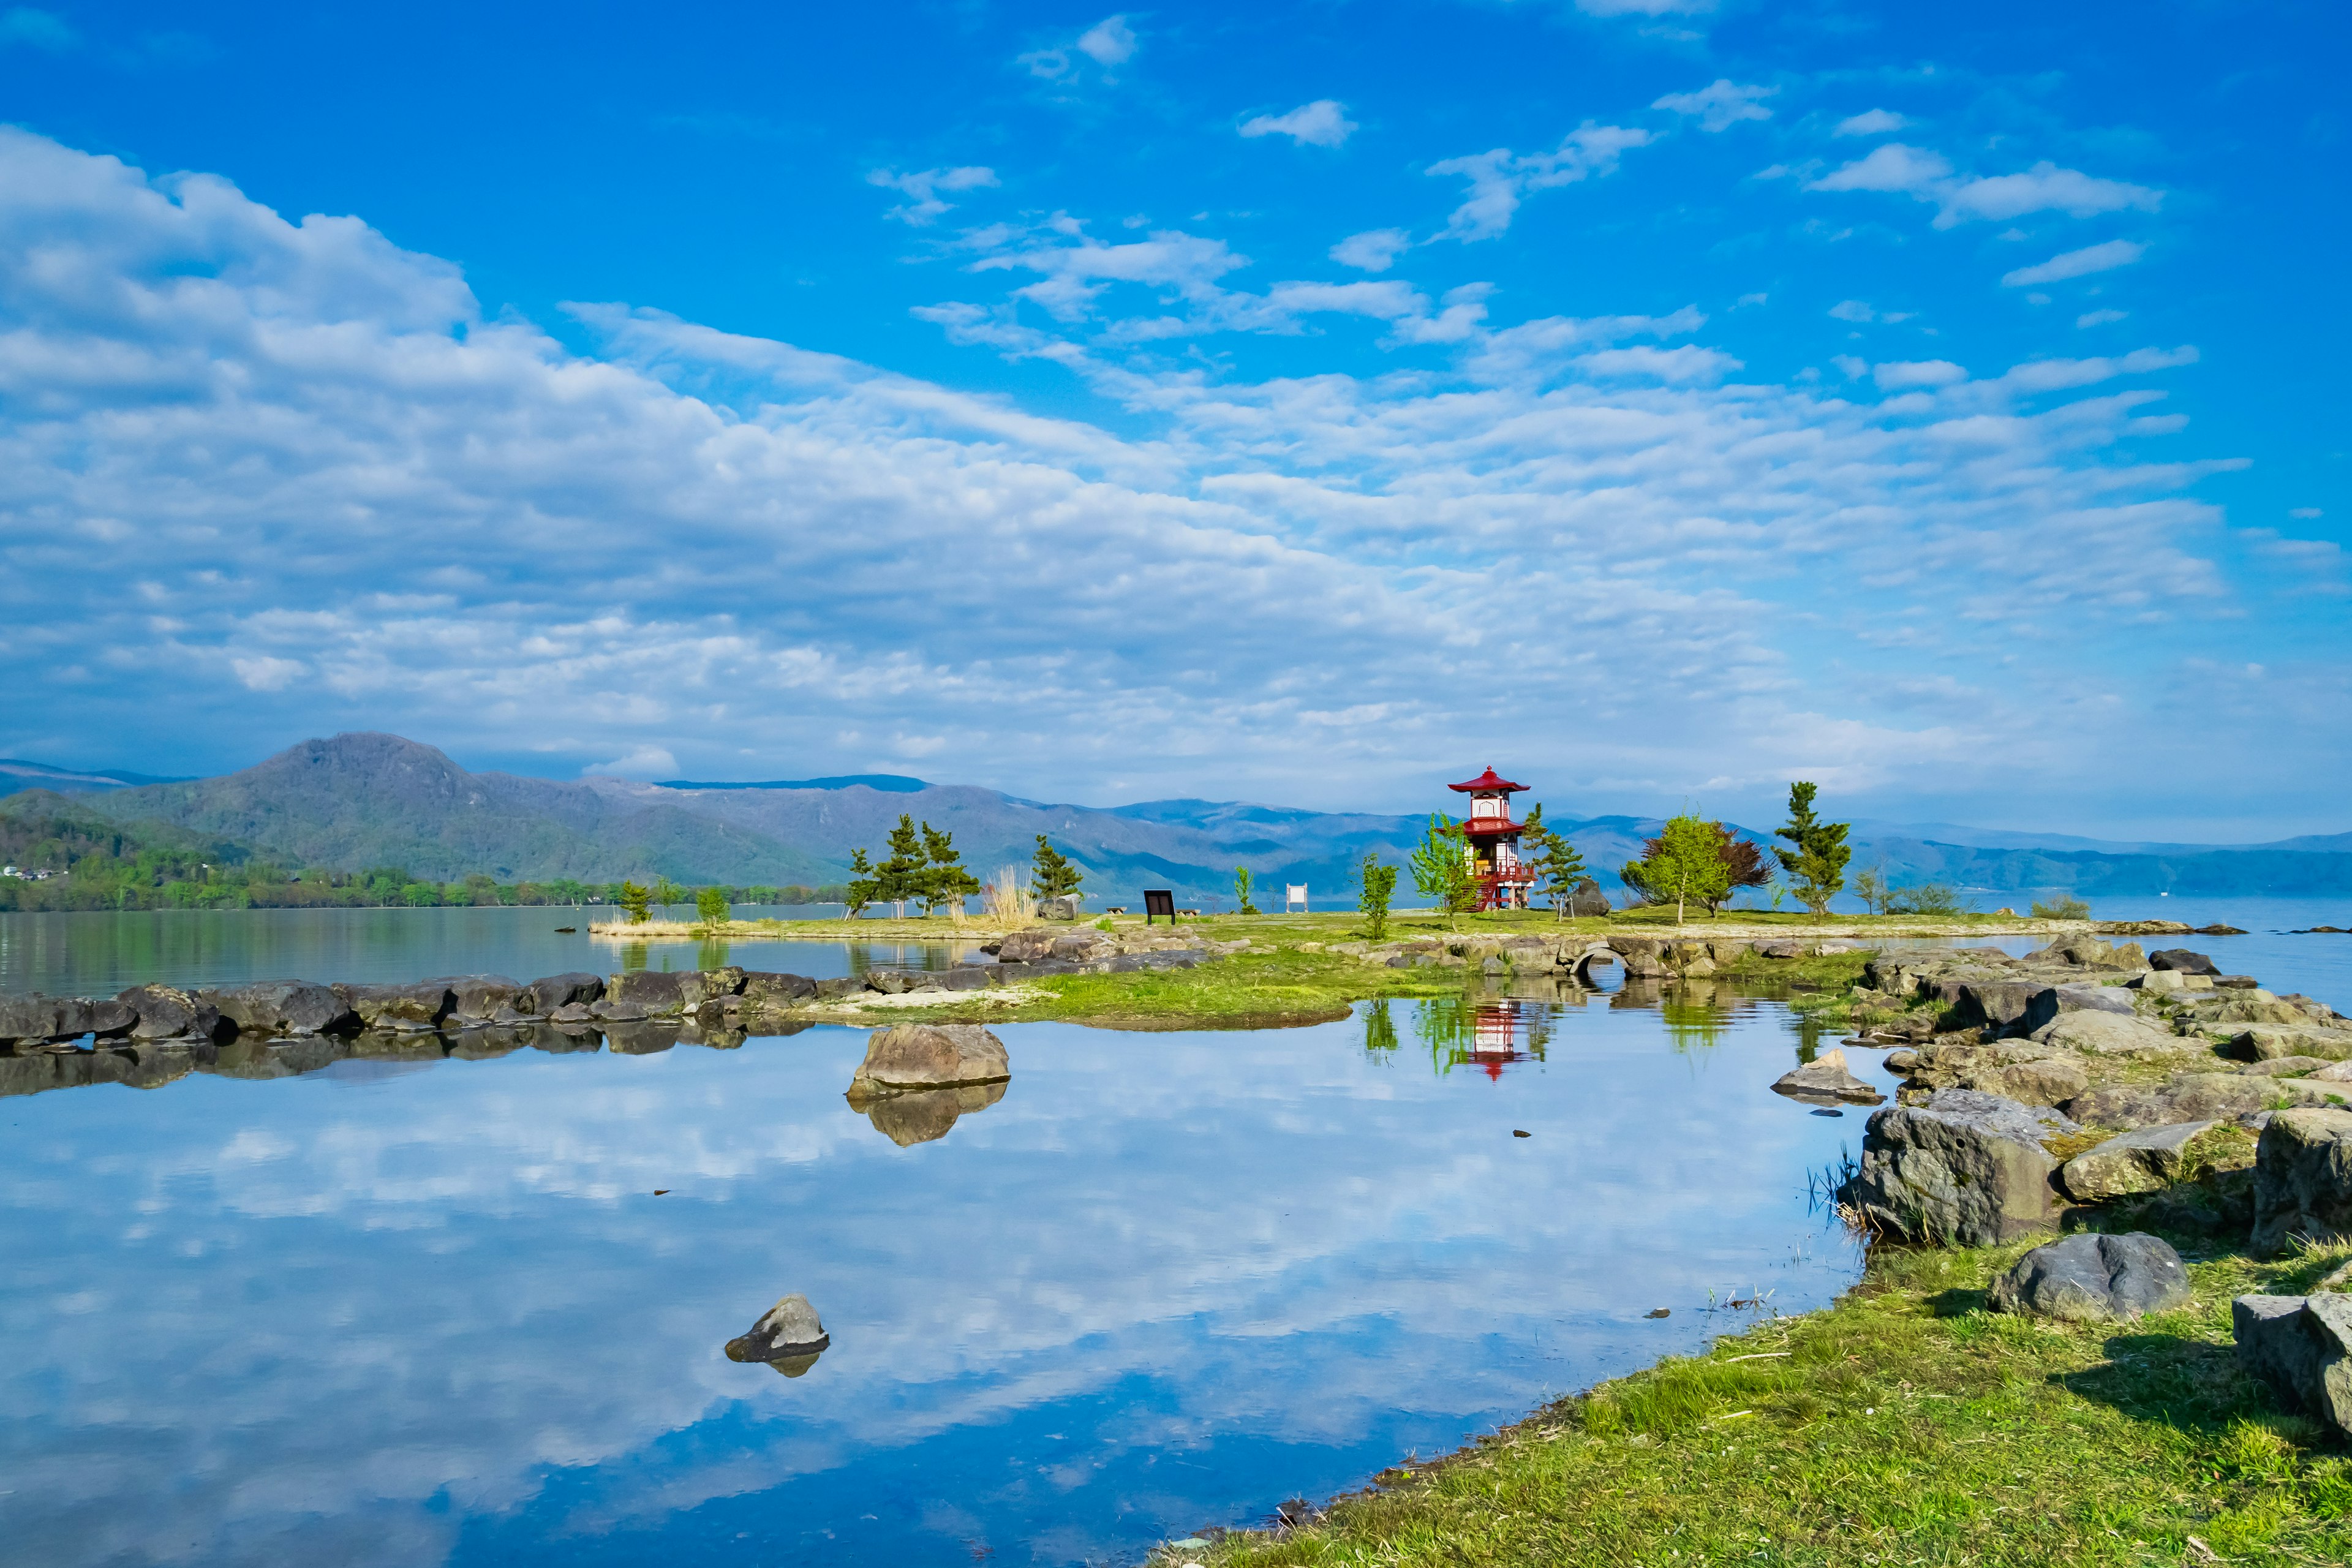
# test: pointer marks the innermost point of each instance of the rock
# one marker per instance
(2000, 1006)
(777, 990)
(2302, 1179)
(1966, 1169)
(554, 992)
(891, 981)
(612, 1011)
(2145, 1160)
(419, 1006)
(2290, 1066)
(1587, 902)
(2191, 1097)
(833, 987)
(1025, 946)
(2266, 1042)
(1081, 947)
(2090, 1279)
(282, 1007)
(572, 1013)
(479, 996)
(967, 979)
(646, 1038)
(2047, 1080)
(2104, 1034)
(788, 1331)
(650, 991)
(164, 1011)
(1826, 1080)
(930, 1056)
(1064, 908)
(2181, 961)
(2302, 1347)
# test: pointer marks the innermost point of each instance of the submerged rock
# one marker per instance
(2092, 1279)
(789, 1337)
(1825, 1080)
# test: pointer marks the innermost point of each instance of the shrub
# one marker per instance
(2069, 907)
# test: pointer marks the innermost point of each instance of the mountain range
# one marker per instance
(362, 800)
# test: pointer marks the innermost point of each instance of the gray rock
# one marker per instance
(282, 1007)
(1025, 946)
(2294, 1067)
(2302, 1179)
(777, 990)
(2266, 1042)
(479, 996)
(2181, 961)
(1079, 947)
(572, 1013)
(1588, 902)
(1967, 1169)
(420, 1006)
(556, 991)
(2106, 1033)
(2302, 1347)
(930, 1055)
(2092, 1279)
(165, 1011)
(789, 1329)
(835, 987)
(2144, 1160)
(651, 991)
(1064, 908)
(963, 979)
(1827, 1079)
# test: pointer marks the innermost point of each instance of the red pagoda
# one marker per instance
(1503, 878)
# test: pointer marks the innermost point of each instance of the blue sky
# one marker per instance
(1657, 400)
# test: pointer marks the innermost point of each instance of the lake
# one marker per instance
(433, 1311)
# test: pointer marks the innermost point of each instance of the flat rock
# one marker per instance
(2302, 1179)
(2145, 1160)
(2090, 1279)
(2267, 1042)
(1967, 1169)
(1827, 1079)
(2105, 1034)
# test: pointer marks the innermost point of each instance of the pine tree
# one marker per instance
(945, 881)
(1817, 858)
(1051, 874)
(905, 871)
(634, 897)
(1558, 866)
(861, 890)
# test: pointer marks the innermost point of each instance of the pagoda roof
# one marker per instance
(1487, 783)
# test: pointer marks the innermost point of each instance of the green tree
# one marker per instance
(1871, 886)
(945, 882)
(1051, 874)
(1817, 854)
(1558, 866)
(713, 909)
(634, 897)
(1242, 889)
(1375, 887)
(667, 892)
(905, 871)
(2067, 908)
(1684, 863)
(1441, 868)
(861, 890)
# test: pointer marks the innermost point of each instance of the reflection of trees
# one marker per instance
(1692, 1021)
(1380, 1029)
(633, 957)
(711, 955)
(1487, 1032)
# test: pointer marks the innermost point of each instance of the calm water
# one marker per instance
(99, 954)
(433, 1313)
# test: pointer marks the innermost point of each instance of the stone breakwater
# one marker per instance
(150, 1035)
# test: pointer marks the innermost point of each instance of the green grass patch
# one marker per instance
(1904, 1424)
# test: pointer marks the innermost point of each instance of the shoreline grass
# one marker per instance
(1903, 1424)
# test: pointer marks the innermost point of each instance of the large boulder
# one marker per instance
(2266, 1042)
(1825, 1080)
(2302, 1179)
(1026, 946)
(1082, 947)
(478, 998)
(2089, 1279)
(164, 1012)
(2181, 961)
(2145, 1160)
(650, 991)
(282, 1007)
(788, 1331)
(904, 1056)
(1966, 1169)
(1587, 902)
(576, 989)
(767, 990)
(2302, 1347)
(37, 1018)
(419, 1006)
(2104, 1034)
(2196, 1097)
(1064, 908)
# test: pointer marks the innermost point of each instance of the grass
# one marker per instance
(1903, 1425)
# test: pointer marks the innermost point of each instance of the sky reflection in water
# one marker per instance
(381, 1316)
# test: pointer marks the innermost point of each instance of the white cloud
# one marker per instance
(1905, 374)
(644, 762)
(2079, 263)
(1108, 42)
(2305, 513)
(2045, 187)
(1375, 250)
(924, 186)
(1857, 311)
(1871, 122)
(2099, 318)
(1850, 366)
(1719, 105)
(322, 452)
(1322, 123)
(1500, 179)
(36, 29)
